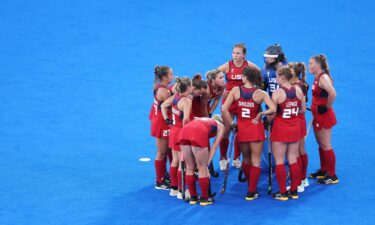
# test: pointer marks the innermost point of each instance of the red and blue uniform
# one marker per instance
(247, 110)
(301, 116)
(159, 128)
(177, 116)
(198, 132)
(286, 127)
(234, 79)
(320, 98)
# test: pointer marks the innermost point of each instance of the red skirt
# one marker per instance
(194, 134)
(248, 132)
(159, 128)
(302, 124)
(173, 138)
(286, 130)
(326, 120)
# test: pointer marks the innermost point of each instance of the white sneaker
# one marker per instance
(305, 182)
(237, 163)
(187, 194)
(300, 188)
(223, 164)
(173, 193)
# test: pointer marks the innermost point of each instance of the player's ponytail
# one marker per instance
(198, 83)
(160, 72)
(322, 61)
(212, 74)
(253, 75)
(287, 72)
(182, 84)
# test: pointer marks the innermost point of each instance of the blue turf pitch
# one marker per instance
(76, 86)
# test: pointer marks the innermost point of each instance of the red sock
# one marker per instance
(294, 176)
(169, 155)
(159, 170)
(254, 177)
(237, 151)
(323, 166)
(179, 180)
(305, 162)
(173, 175)
(204, 182)
(299, 161)
(281, 177)
(330, 162)
(190, 181)
(246, 169)
(224, 148)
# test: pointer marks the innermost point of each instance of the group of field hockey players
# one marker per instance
(255, 102)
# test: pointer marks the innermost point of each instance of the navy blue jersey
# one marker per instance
(269, 78)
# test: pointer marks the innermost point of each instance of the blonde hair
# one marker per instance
(182, 84)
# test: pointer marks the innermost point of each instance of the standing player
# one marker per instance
(181, 109)
(299, 80)
(324, 96)
(286, 132)
(247, 99)
(194, 143)
(233, 74)
(159, 129)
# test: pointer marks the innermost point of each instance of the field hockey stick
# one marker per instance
(308, 128)
(211, 167)
(183, 170)
(231, 145)
(269, 161)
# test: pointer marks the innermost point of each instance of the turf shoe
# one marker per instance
(280, 196)
(251, 196)
(193, 200)
(329, 180)
(293, 194)
(318, 174)
(206, 201)
(162, 186)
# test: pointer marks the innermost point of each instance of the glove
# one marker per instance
(322, 109)
(233, 127)
(169, 121)
(265, 123)
(209, 115)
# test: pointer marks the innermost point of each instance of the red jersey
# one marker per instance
(198, 132)
(320, 96)
(213, 95)
(157, 104)
(247, 110)
(196, 107)
(286, 127)
(209, 124)
(177, 114)
(234, 75)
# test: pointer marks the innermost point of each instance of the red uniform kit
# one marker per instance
(286, 127)
(196, 107)
(320, 97)
(234, 79)
(198, 132)
(197, 104)
(177, 116)
(301, 117)
(213, 95)
(247, 110)
(159, 128)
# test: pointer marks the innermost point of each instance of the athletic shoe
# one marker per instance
(193, 200)
(162, 186)
(251, 196)
(204, 202)
(237, 163)
(300, 188)
(280, 196)
(305, 182)
(293, 194)
(223, 164)
(187, 194)
(329, 180)
(318, 174)
(173, 192)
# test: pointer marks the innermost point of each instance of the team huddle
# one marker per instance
(182, 123)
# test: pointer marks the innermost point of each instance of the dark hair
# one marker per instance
(198, 83)
(160, 72)
(212, 74)
(182, 84)
(286, 71)
(299, 71)
(242, 46)
(253, 75)
(322, 61)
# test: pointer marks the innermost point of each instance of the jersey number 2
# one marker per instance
(245, 113)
